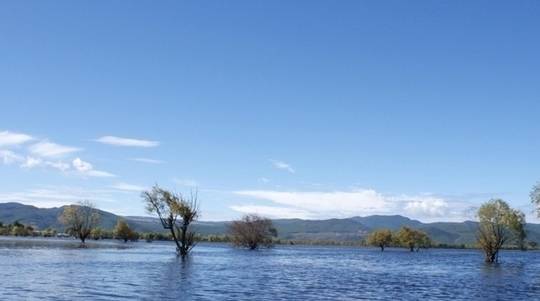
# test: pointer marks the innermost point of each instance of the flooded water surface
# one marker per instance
(151, 271)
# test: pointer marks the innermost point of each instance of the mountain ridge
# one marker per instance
(345, 229)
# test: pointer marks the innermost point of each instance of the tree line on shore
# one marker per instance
(499, 225)
(18, 229)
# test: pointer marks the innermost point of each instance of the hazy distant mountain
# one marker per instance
(42, 218)
(347, 229)
(392, 222)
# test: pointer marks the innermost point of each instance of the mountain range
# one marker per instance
(341, 230)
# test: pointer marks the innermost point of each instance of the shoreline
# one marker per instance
(17, 242)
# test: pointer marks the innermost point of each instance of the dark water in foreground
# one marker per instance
(151, 271)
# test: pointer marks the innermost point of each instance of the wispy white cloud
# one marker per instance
(273, 212)
(335, 203)
(32, 162)
(45, 154)
(8, 157)
(120, 141)
(99, 174)
(62, 166)
(186, 182)
(282, 165)
(50, 149)
(322, 204)
(9, 138)
(85, 168)
(51, 196)
(426, 206)
(81, 165)
(128, 187)
(264, 180)
(147, 160)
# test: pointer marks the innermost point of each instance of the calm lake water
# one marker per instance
(151, 271)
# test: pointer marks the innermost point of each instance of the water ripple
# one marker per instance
(145, 271)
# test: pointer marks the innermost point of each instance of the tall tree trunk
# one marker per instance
(185, 247)
(492, 257)
(175, 240)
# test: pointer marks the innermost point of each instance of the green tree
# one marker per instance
(80, 220)
(96, 233)
(516, 222)
(19, 230)
(413, 239)
(176, 214)
(49, 232)
(5, 229)
(380, 238)
(123, 231)
(498, 223)
(252, 231)
(423, 240)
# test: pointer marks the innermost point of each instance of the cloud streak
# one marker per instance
(272, 211)
(51, 150)
(8, 138)
(32, 162)
(8, 157)
(85, 168)
(264, 180)
(128, 187)
(147, 160)
(282, 165)
(330, 204)
(51, 196)
(129, 142)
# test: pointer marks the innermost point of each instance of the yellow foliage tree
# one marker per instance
(380, 238)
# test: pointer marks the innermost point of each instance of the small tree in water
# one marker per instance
(80, 219)
(413, 239)
(252, 231)
(176, 214)
(380, 238)
(123, 231)
(498, 224)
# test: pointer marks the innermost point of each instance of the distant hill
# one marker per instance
(347, 229)
(392, 222)
(42, 218)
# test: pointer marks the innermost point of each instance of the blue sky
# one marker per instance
(310, 109)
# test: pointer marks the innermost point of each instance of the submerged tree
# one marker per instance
(380, 238)
(96, 233)
(252, 231)
(80, 219)
(413, 239)
(498, 224)
(517, 222)
(176, 214)
(123, 231)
